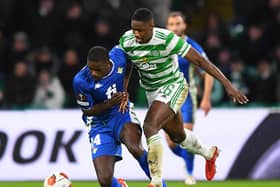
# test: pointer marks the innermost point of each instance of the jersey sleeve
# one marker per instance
(82, 95)
(118, 56)
(176, 45)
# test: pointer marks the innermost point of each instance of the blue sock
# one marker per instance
(115, 183)
(187, 157)
(143, 162)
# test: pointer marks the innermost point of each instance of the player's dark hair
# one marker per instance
(177, 13)
(142, 14)
(98, 54)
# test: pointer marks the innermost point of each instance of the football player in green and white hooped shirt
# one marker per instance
(154, 53)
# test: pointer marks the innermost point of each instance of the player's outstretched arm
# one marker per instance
(205, 103)
(102, 107)
(194, 57)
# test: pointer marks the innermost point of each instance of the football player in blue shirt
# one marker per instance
(100, 91)
(176, 22)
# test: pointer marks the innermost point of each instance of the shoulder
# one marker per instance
(117, 55)
(195, 45)
(81, 79)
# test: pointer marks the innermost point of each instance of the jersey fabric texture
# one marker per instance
(156, 60)
(157, 65)
(190, 105)
(104, 129)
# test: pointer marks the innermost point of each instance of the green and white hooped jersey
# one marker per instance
(156, 61)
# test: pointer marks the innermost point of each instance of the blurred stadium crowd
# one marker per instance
(43, 43)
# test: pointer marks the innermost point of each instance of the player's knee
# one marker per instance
(178, 138)
(149, 129)
(105, 179)
(135, 150)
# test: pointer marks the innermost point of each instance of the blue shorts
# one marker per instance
(105, 136)
(188, 109)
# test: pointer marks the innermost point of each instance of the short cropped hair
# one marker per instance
(143, 14)
(177, 13)
(98, 54)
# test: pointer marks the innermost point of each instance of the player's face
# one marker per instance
(143, 31)
(99, 70)
(177, 25)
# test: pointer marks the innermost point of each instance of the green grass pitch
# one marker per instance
(235, 183)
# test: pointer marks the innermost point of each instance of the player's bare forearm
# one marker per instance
(129, 68)
(194, 57)
(97, 109)
(208, 85)
(205, 103)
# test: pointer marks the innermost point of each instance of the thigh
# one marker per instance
(157, 116)
(131, 138)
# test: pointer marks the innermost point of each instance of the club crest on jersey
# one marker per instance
(120, 70)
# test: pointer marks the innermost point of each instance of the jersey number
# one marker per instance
(97, 140)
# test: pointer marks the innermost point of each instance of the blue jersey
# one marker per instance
(190, 105)
(90, 92)
(184, 65)
(105, 129)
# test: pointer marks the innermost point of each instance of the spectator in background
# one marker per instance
(71, 65)
(224, 61)
(18, 52)
(265, 87)
(239, 76)
(19, 87)
(103, 35)
(45, 60)
(254, 45)
(212, 45)
(215, 25)
(46, 25)
(75, 28)
(49, 93)
(3, 53)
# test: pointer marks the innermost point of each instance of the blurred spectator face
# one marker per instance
(102, 28)
(45, 7)
(74, 12)
(177, 25)
(71, 57)
(44, 78)
(255, 32)
(213, 21)
(237, 66)
(20, 69)
(44, 56)
(224, 56)
(264, 69)
(277, 52)
(213, 40)
(20, 42)
(274, 4)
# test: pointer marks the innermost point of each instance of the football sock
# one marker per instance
(115, 183)
(155, 148)
(186, 156)
(143, 162)
(193, 145)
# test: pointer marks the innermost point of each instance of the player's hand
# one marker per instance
(205, 105)
(124, 106)
(236, 95)
(116, 99)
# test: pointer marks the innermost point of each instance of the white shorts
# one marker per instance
(173, 94)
